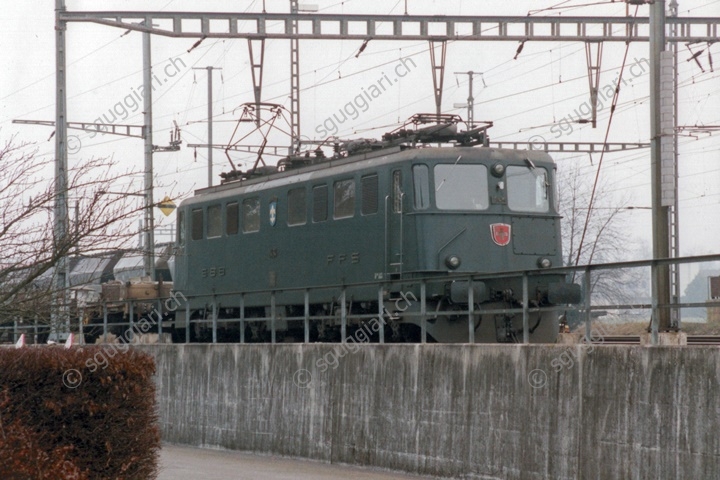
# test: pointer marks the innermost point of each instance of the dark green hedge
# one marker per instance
(84, 412)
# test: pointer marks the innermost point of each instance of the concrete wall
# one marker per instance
(477, 411)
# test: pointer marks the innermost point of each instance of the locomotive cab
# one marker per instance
(483, 211)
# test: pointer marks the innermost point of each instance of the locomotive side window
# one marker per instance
(421, 187)
(320, 203)
(181, 228)
(527, 189)
(197, 224)
(461, 187)
(369, 187)
(251, 215)
(344, 198)
(232, 214)
(214, 226)
(397, 191)
(297, 210)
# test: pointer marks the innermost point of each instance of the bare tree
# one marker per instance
(606, 237)
(30, 250)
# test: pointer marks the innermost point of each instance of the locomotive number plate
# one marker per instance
(212, 272)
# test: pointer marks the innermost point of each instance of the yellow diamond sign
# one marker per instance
(166, 205)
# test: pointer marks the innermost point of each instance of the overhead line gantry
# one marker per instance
(363, 27)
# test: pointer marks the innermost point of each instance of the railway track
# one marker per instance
(620, 340)
(703, 339)
(691, 340)
(635, 340)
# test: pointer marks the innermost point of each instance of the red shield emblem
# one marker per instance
(500, 233)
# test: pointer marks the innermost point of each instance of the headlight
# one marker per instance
(498, 169)
(544, 262)
(452, 261)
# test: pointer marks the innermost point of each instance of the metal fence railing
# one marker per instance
(154, 315)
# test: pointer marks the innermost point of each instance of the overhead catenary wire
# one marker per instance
(602, 155)
(682, 84)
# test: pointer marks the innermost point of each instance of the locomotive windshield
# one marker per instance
(527, 189)
(461, 187)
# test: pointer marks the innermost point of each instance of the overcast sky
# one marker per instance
(535, 96)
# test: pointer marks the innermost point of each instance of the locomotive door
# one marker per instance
(394, 226)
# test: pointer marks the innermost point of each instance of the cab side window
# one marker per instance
(421, 187)
(181, 228)
(397, 191)
(197, 224)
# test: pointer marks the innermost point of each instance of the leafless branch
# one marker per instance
(30, 250)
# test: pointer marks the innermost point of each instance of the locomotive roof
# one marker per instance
(335, 167)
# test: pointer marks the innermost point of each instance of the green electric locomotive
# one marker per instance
(339, 239)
